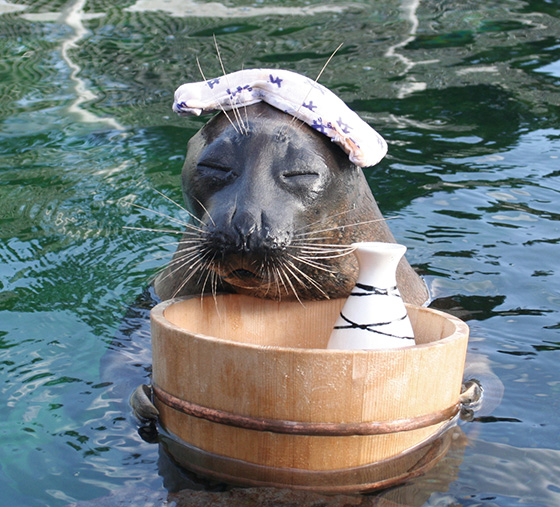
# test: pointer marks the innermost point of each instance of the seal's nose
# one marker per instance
(247, 229)
(250, 232)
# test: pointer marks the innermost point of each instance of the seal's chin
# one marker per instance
(243, 278)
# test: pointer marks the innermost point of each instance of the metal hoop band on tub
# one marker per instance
(304, 428)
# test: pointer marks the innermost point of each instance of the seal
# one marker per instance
(275, 206)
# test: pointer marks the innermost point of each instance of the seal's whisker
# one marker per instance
(324, 219)
(189, 241)
(327, 253)
(178, 267)
(290, 268)
(214, 284)
(206, 278)
(197, 266)
(278, 280)
(317, 240)
(306, 276)
(238, 118)
(148, 229)
(281, 275)
(317, 251)
(192, 215)
(181, 261)
(283, 270)
(246, 114)
(268, 276)
(355, 224)
(219, 103)
(312, 263)
(185, 253)
(154, 257)
(294, 119)
(196, 239)
(171, 219)
(206, 211)
(174, 265)
(321, 247)
(275, 281)
(266, 271)
(334, 256)
(214, 289)
(309, 279)
(194, 233)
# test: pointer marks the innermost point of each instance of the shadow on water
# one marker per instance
(466, 95)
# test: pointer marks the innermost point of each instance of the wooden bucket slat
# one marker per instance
(261, 360)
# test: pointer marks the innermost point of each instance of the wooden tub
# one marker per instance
(248, 386)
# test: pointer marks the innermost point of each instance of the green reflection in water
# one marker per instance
(465, 93)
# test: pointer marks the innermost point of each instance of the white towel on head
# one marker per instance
(292, 93)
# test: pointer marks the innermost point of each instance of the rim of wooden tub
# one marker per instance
(460, 329)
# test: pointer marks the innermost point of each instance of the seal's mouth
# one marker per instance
(240, 267)
(243, 274)
(244, 278)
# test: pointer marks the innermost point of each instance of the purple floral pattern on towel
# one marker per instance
(292, 93)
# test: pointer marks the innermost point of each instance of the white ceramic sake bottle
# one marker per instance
(374, 315)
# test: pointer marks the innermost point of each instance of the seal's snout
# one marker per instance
(244, 249)
(251, 234)
(249, 241)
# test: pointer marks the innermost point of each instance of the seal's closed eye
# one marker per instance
(202, 165)
(211, 167)
(215, 175)
(302, 175)
(305, 182)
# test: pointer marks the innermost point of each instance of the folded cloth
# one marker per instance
(292, 93)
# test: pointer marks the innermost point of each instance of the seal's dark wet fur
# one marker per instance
(277, 206)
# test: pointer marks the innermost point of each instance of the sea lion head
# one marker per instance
(276, 206)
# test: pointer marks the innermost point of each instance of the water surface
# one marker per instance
(467, 95)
